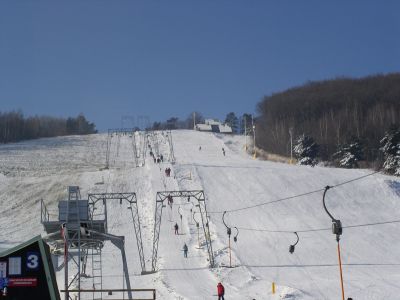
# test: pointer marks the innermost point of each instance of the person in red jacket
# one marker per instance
(221, 291)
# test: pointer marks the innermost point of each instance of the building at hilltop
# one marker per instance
(211, 125)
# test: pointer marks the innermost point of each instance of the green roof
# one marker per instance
(20, 246)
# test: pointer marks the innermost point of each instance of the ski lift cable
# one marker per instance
(295, 196)
(320, 229)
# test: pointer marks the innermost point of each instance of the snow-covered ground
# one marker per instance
(43, 169)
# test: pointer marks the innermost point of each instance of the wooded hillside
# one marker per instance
(331, 112)
(14, 126)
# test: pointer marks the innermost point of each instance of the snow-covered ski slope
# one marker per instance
(44, 168)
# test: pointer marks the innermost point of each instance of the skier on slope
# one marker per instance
(185, 250)
(221, 291)
(176, 228)
(170, 201)
(223, 151)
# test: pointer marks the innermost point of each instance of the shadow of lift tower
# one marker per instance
(81, 231)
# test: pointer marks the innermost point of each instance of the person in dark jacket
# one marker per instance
(185, 250)
(176, 228)
(221, 291)
(170, 201)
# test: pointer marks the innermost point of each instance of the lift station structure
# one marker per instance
(79, 235)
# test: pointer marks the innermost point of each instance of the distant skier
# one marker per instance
(199, 148)
(185, 250)
(223, 151)
(176, 228)
(221, 291)
(161, 157)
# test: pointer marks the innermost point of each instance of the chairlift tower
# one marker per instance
(119, 132)
(79, 233)
(100, 201)
(201, 204)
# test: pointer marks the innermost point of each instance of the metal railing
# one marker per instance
(44, 213)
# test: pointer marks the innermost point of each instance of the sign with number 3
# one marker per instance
(32, 260)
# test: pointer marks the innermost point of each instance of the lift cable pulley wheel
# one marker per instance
(236, 235)
(337, 230)
(208, 221)
(197, 222)
(336, 224)
(291, 247)
(228, 229)
(229, 232)
(180, 211)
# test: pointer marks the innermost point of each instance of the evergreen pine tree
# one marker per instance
(232, 121)
(349, 154)
(390, 146)
(306, 150)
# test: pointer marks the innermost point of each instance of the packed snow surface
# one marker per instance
(244, 187)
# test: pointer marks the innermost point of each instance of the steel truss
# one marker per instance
(78, 245)
(171, 147)
(199, 196)
(121, 132)
(99, 202)
(77, 236)
(142, 146)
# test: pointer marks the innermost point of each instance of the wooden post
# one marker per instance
(340, 268)
(230, 255)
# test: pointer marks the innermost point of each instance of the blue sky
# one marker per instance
(160, 59)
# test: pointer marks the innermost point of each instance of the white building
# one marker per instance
(214, 126)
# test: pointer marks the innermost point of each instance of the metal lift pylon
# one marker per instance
(77, 234)
(131, 199)
(171, 147)
(199, 196)
(122, 132)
